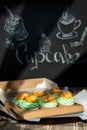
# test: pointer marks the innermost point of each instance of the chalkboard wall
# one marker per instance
(44, 39)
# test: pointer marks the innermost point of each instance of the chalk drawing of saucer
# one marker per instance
(62, 37)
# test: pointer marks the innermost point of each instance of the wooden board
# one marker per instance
(46, 112)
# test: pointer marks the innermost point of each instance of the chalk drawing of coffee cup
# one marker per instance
(14, 25)
(67, 25)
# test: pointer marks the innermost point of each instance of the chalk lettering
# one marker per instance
(40, 57)
(59, 57)
(36, 60)
(19, 58)
(69, 58)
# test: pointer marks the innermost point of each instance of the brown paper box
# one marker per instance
(10, 87)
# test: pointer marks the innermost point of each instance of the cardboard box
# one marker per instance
(10, 88)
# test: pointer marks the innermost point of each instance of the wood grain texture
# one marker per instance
(44, 124)
(45, 112)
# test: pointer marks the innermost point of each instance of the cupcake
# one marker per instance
(66, 98)
(19, 97)
(48, 101)
(26, 101)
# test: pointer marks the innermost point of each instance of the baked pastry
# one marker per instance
(19, 97)
(66, 98)
(39, 93)
(26, 101)
(56, 91)
(22, 96)
(48, 101)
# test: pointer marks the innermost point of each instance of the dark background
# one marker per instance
(42, 16)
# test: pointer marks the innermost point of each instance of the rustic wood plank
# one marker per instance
(68, 126)
(44, 124)
(80, 126)
(62, 124)
(7, 125)
(86, 125)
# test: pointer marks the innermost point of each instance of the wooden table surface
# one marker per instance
(7, 123)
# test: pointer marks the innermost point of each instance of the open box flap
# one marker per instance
(26, 84)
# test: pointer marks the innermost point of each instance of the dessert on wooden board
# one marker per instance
(52, 98)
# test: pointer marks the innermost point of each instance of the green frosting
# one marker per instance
(15, 101)
(25, 105)
(65, 101)
(49, 104)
